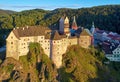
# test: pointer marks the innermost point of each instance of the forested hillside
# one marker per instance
(6, 12)
(86, 65)
(105, 17)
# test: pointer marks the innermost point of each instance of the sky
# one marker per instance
(20, 5)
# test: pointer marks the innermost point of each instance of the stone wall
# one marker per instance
(56, 53)
(85, 41)
(54, 49)
(12, 46)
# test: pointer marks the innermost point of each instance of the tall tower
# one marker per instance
(61, 25)
(74, 24)
(92, 30)
(66, 25)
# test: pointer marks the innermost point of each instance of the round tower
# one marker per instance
(66, 25)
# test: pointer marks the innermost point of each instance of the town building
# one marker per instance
(53, 42)
(112, 51)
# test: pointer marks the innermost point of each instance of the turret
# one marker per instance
(74, 24)
(66, 22)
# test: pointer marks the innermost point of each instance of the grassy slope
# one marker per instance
(79, 65)
(84, 65)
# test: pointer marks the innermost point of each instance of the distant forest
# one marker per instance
(105, 17)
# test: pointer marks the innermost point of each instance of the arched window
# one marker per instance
(11, 42)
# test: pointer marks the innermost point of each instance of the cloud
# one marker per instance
(19, 6)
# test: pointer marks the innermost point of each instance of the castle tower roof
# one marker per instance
(61, 19)
(85, 32)
(54, 35)
(66, 21)
(74, 24)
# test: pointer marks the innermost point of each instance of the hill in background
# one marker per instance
(6, 12)
(105, 17)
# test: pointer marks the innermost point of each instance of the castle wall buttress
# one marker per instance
(57, 52)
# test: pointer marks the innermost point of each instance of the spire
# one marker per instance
(93, 26)
(74, 19)
(74, 24)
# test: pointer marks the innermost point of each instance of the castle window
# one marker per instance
(41, 41)
(24, 39)
(48, 47)
(11, 42)
(24, 47)
(11, 46)
(57, 52)
(45, 48)
(41, 37)
(85, 42)
(11, 37)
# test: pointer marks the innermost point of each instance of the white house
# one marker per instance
(115, 54)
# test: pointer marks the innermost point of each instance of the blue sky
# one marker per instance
(19, 5)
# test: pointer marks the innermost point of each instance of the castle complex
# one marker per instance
(53, 42)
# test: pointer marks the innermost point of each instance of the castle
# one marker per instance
(53, 42)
